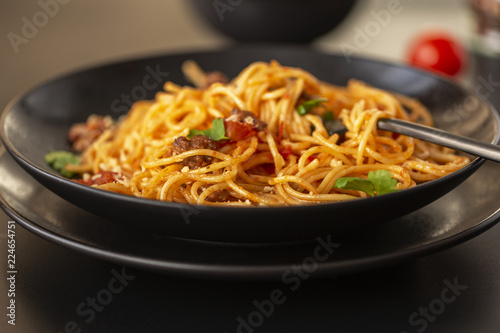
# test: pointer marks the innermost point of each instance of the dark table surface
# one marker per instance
(60, 290)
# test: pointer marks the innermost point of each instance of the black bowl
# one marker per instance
(37, 123)
(285, 21)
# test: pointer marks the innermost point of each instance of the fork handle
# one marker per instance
(440, 137)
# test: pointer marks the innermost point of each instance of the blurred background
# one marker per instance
(41, 39)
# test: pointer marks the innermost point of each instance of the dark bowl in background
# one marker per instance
(283, 21)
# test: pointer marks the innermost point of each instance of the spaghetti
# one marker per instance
(266, 153)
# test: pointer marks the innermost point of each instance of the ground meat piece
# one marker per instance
(242, 124)
(182, 144)
(103, 177)
(218, 196)
(247, 117)
(82, 135)
(213, 77)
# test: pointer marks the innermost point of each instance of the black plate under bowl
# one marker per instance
(37, 123)
(469, 210)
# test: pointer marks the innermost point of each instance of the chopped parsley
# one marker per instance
(307, 106)
(58, 160)
(328, 116)
(216, 132)
(377, 183)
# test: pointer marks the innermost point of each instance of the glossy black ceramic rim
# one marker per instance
(53, 178)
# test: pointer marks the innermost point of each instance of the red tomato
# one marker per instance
(286, 151)
(238, 131)
(438, 52)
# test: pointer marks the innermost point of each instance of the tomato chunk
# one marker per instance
(286, 151)
(238, 131)
(103, 177)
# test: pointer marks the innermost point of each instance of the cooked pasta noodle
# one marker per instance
(286, 159)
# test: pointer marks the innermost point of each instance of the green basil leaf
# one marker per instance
(307, 106)
(216, 132)
(58, 160)
(377, 183)
(383, 181)
(328, 116)
(355, 183)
